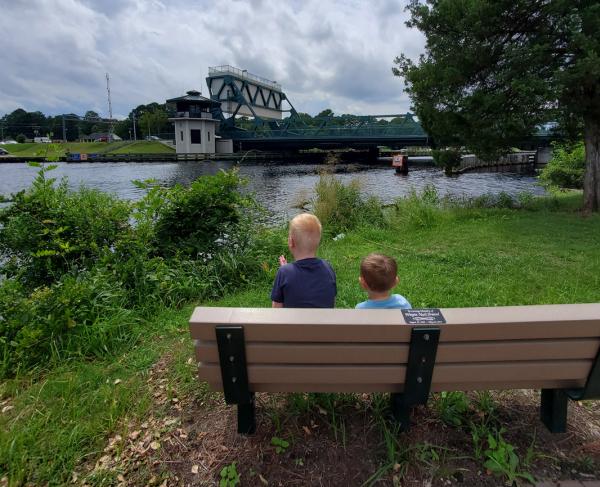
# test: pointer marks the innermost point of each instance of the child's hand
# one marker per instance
(282, 260)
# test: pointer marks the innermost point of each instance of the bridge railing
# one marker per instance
(328, 132)
(242, 73)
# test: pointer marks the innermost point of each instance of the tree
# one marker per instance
(154, 122)
(493, 70)
(124, 128)
(30, 124)
(89, 124)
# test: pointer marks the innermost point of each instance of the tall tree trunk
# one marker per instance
(591, 182)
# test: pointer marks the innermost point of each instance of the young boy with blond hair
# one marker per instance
(308, 282)
(378, 276)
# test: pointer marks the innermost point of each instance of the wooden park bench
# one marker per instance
(409, 354)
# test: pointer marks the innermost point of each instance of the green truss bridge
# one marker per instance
(251, 112)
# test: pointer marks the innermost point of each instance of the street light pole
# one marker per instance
(134, 133)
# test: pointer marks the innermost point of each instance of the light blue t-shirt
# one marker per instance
(395, 301)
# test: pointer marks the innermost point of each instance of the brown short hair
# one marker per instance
(379, 272)
(305, 229)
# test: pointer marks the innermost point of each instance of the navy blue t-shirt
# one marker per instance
(306, 283)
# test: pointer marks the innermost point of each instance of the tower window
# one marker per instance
(182, 136)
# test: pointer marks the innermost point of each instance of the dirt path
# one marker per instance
(188, 441)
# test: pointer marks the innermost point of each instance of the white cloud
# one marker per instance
(338, 55)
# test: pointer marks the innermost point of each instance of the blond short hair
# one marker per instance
(305, 229)
(379, 272)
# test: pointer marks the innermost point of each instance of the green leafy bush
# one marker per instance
(49, 230)
(566, 169)
(79, 275)
(203, 217)
(341, 207)
(448, 159)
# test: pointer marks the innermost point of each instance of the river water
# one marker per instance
(278, 187)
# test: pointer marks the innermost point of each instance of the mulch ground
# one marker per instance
(192, 439)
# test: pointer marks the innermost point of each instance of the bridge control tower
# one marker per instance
(242, 93)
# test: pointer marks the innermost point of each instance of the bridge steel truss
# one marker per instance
(246, 95)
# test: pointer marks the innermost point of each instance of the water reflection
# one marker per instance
(277, 186)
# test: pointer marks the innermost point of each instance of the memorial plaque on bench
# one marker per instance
(425, 316)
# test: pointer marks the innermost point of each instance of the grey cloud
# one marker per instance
(326, 54)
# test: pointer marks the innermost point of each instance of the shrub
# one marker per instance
(566, 169)
(21, 138)
(49, 230)
(448, 159)
(341, 207)
(78, 276)
(209, 214)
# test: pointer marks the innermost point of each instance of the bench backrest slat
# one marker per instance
(397, 353)
(345, 325)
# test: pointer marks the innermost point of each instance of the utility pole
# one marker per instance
(134, 132)
(64, 129)
(110, 116)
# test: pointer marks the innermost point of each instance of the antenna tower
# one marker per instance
(110, 116)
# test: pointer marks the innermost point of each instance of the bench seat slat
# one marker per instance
(366, 388)
(394, 374)
(378, 353)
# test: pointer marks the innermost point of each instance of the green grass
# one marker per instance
(144, 147)
(472, 257)
(461, 257)
(62, 417)
(123, 147)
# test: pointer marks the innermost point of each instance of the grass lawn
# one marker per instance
(143, 147)
(122, 147)
(74, 416)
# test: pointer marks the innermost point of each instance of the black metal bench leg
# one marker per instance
(246, 416)
(400, 411)
(553, 410)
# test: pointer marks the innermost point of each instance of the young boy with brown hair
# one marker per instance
(308, 282)
(378, 276)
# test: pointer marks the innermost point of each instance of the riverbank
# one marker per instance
(61, 149)
(138, 416)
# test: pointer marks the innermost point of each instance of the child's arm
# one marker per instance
(275, 304)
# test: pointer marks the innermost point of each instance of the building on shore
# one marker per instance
(101, 137)
(195, 127)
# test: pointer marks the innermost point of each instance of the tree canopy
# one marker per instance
(494, 70)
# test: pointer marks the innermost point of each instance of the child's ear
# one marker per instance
(362, 283)
(397, 281)
(290, 242)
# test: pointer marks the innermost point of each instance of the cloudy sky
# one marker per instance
(327, 54)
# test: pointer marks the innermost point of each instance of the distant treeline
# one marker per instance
(150, 119)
